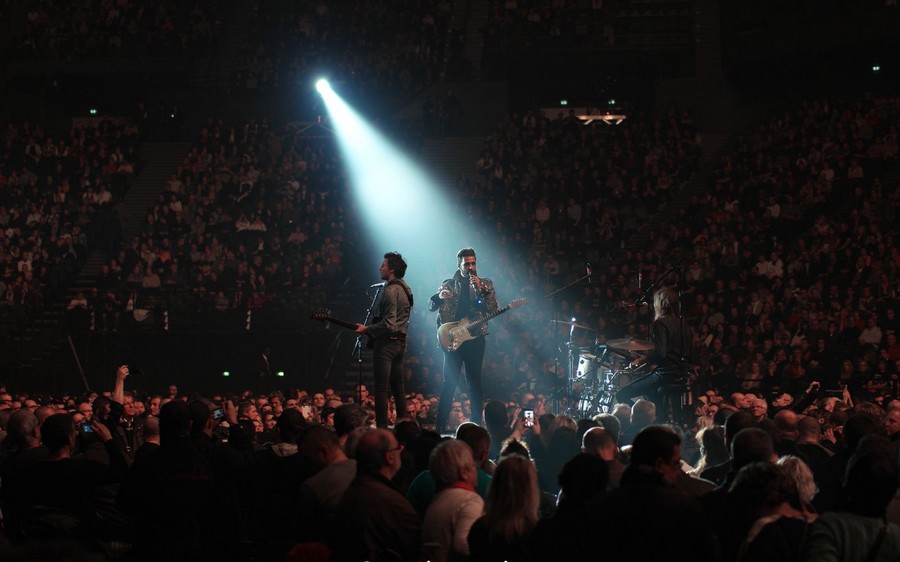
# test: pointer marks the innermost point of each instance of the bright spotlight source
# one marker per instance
(280, 373)
(322, 86)
(92, 111)
(876, 68)
(226, 374)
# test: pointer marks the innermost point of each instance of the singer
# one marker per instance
(388, 331)
(465, 295)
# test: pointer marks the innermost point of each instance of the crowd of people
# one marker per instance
(374, 51)
(131, 476)
(518, 24)
(56, 206)
(88, 30)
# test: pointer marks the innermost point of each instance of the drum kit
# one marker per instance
(598, 370)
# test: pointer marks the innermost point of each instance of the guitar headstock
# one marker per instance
(321, 314)
(518, 302)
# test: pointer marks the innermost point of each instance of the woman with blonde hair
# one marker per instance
(510, 513)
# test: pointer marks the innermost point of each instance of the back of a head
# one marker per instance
(150, 427)
(476, 437)
(174, 421)
(56, 431)
(314, 438)
(611, 424)
(406, 431)
(447, 460)
(870, 481)
(799, 472)
(583, 425)
(653, 443)
(596, 439)
(871, 410)
(809, 426)
(737, 422)
(513, 499)
(20, 427)
(371, 451)
(349, 417)
(712, 439)
(200, 415)
(583, 478)
(495, 417)
(751, 445)
(761, 486)
(858, 426)
(643, 413)
(786, 422)
(290, 424)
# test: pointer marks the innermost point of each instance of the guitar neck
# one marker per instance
(349, 325)
(477, 323)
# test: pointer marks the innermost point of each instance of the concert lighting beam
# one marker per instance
(406, 209)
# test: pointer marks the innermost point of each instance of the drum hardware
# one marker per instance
(574, 325)
(630, 344)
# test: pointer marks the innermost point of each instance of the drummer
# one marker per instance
(670, 345)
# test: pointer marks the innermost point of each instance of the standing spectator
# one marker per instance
(377, 522)
(455, 508)
(510, 512)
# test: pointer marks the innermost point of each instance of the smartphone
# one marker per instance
(218, 414)
(87, 428)
(529, 417)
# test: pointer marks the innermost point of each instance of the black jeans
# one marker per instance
(387, 362)
(470, 354)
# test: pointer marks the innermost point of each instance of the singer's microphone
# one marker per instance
(588, 270)
(382, 284)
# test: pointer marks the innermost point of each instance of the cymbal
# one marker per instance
(574, 325)
(630, 344)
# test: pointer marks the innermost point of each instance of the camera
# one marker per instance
(529, 418)
(87, 427)
(218, 414)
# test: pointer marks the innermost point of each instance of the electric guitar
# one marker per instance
(451, 335)
(324, 315)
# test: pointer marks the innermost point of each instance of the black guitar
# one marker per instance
(324, 315)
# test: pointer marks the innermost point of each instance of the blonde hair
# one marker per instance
(664, 302)
(801, 475)
(513, 499)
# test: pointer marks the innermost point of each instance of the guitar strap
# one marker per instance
(406, 289)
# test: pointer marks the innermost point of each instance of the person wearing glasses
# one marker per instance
(376, 521)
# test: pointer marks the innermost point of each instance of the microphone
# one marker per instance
(589, 271)
(382, 284)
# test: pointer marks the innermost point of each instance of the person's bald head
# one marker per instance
(599, 442)
(786, 423)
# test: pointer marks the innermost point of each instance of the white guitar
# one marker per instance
(451, 335)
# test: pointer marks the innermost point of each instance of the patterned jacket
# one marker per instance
(446, 308)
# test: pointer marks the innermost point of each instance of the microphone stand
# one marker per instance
(567, 387)
(357, 348)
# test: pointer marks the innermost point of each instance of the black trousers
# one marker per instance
(387, 362)
(469, 355)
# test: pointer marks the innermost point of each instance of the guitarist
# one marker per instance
(388, 332)
(465, 295)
